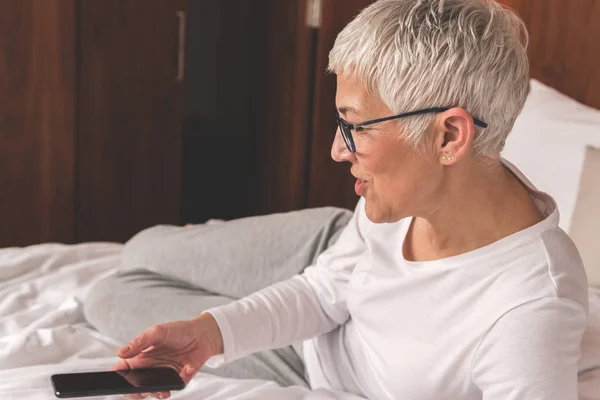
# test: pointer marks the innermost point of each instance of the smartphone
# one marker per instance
(142, 380)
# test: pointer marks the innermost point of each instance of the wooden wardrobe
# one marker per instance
(90, 118)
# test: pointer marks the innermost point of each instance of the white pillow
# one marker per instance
(585, 227)
(548, 144)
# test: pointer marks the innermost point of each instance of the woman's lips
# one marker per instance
(360, 187)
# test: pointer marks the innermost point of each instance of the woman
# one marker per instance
(452, 280)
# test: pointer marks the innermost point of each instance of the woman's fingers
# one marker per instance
(187, 373)
(150, 337)
(136, 396)
(147, 349)
(162, 395)
(120, 365)
(126, 364)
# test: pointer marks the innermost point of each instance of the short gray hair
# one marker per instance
(415, 54)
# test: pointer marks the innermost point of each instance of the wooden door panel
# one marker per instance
(280, 105)
(37, 121)
(130, 118)
(330, 183)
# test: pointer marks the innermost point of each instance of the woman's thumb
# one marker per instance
(151, 337)
(187, 373)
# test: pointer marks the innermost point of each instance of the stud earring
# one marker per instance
(448, 158)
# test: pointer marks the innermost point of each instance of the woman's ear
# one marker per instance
(453, 135)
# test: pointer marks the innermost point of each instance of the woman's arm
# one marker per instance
(532, 352)
(296, 309)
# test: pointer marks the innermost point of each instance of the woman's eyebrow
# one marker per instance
(345, 109)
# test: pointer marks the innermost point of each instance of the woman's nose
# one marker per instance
(339, 151)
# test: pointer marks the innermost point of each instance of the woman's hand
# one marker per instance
(182, 345)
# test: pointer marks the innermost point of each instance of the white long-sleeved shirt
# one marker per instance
(502, 322)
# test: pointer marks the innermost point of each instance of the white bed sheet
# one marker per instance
(43, 331)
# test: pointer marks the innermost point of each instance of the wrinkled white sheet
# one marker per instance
(43, 331)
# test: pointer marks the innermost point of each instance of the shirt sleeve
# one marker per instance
(531, 352)
(299, 308)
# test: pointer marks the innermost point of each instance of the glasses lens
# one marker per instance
(345, 134)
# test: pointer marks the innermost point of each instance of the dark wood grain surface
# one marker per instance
(130, 118)
(564, 49)
(37, 121)
(281, 94)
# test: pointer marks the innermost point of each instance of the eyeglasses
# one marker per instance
(346, 127)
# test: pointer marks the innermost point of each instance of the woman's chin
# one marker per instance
(374, 213)
(378, 215)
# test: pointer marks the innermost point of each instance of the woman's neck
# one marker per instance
(480, 205)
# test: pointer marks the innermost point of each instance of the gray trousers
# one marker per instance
(172, 273)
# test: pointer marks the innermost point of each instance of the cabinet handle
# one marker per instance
(181, 46)
(313, 13)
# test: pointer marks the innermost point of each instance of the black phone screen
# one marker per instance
(116, 382)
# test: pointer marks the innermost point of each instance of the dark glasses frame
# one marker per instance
(346, 127)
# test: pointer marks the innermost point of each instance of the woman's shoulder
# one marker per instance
(564, 264)
(547, 266)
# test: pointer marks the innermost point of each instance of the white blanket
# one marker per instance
(43, 331)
